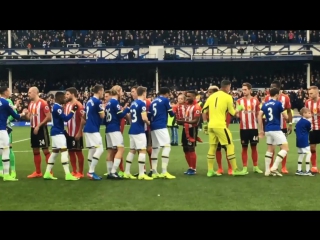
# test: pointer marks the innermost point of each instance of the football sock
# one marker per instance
(1, 166)
(95, 158)
(91, 151)
(308, 156)
(231, 156)
(46, 153)
(300, 160)
(109, 166)
(193, 160)
(121, 165)
(254, 155)
(6, 160)
(51, 161)
(73, 160)
(37, 161)
(129, 160)
(267, 160)
(65, 162)
(186, 155)
(211, 156)
(80, 160)
(284, 162)
(165, 158)
(271, 163)
(219, 158)
(244, 154)
(281, 154)
(142, 163)
(115, 166)
(154, 159)
(12, 160)
(314, 158)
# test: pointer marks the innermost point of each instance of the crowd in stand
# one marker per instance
(106, 38)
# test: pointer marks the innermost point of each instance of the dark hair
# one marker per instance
(97, 88)
(277, 83)
(274, 91)
(164, 90)
(59, 95)
(108, 91)
(225, 83)
(141, 91)
(134, 87)
(3, 89)
(73, 91)
(248, 85)
(192, 92)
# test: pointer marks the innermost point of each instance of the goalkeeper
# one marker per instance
(218, 105)
(12, 156)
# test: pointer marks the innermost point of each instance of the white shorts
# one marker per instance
(114, 140)
(4, 139)
(160, 138)
(59, 141)
(93, 140)
(276, 138)
(304, 150)
(138, 141)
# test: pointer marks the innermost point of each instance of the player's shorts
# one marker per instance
(304, 150)
(93, 140)
(160, 138)
(284, 130)
(59, 141)
(249, 136)
(193, 132)
(219, 147)
(4, 139)
(114, 140)
(138, 141)
(314, 137)
(148, 136)
(220, 135)
(42, 139)
(276, 138)
(72, 143)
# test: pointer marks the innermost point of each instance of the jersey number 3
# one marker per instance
(270, 114)
(133, 115)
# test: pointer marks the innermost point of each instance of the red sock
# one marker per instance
(314, 159)
(149, 151)
(193, 160)
(272, 160)
(37, 161)
(219, 158)
(284, 162)
(80, 160)
(187, 156)
(47, 155)
(121, 165)
(254, 155)
(244, 154)
(73, 161)
(229, 165)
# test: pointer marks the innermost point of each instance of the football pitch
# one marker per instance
(250, 192)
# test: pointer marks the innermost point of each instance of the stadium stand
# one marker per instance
(110, 38)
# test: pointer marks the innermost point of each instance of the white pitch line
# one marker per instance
(235, 140)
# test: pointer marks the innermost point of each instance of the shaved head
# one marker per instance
(33, 93)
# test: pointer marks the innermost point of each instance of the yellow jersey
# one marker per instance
(218, 104)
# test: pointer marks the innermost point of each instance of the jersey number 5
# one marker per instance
(133, 115)
(154, 109)
(270, 114)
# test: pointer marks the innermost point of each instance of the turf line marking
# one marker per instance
(235, 140)
(22, 140)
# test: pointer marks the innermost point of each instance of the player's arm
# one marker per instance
(122, 113)
(287, 106)
(63, 116)
(169, 108)
(230, 107)
(260, 120)
(10, 118)
(257, 110)
(12, 112)
(144, 115)
(101, 112)
(205, 110)
(238, 103)
(47, 119)
(196, 116)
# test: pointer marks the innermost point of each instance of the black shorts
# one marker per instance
(285, 131)
(314, 137)
(249, 136)
(193, 132)
(148, 136)
(42, 139)
(219, 147)
(72, 143)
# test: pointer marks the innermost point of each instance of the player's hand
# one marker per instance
(261, 134)
(180, 122)
(25, 111)
(78, 136)
(126, 105)
(75, 108)
(289, 131)
(36, 130)
(205, 127)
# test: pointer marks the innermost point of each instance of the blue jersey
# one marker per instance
(302, 129)
(272, 110)
(137, 124)
(5, 112)
(114, 114)
(158, 113)
(93, 120)
(58, 119)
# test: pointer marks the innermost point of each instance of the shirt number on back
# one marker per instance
(87, 112)
(133, 115)
(270, 114)
(108, 115)
(154, 109)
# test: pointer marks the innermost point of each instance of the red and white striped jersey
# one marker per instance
(248, 116)
(193, 111)
(147, 102)
(315, 112)
(285, 100)
(74, 123)
(38, 111)
(180, 111)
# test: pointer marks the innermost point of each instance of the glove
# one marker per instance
(240, 107)
(205, 127)
(75, 108)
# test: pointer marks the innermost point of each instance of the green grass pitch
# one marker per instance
(251, 192)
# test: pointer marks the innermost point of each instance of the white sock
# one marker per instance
(164, 165)
(91, 152)
(300, 160)
(154, 159)
(115, 166)
(142, 163)
(129, 162)
(93, 164)
(281, 154)
(267, 160)
(109, 166)
(51, 161)
(308, 157)
(6, 160)
(65, 162)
